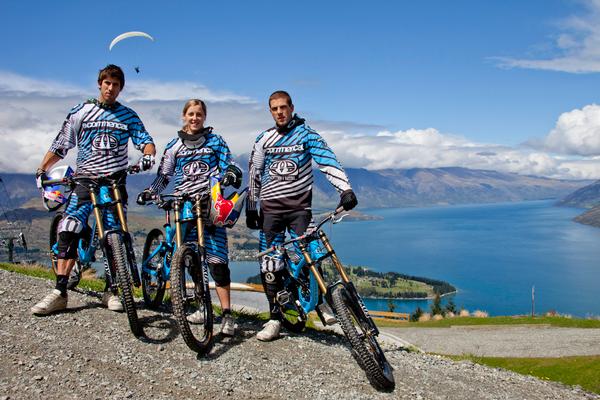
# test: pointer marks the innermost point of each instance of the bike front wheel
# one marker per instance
(153, 282)
(118, 259)
(190, 296)
(365, 348)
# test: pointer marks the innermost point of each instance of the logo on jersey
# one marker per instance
(286, 170)
(193, 170)
(297, 148)
(105, 142)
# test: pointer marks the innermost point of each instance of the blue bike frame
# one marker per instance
(168, 246)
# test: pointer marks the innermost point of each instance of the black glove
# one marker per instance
(253, 220)
(348, 200)
(40, 176)
(143, 197)
(232, 177)
(146, 162)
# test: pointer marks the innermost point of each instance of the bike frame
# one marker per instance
(174, 237)
(315, 247)
(103, 197)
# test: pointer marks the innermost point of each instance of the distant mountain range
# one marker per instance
(585, 197)
(382, 188)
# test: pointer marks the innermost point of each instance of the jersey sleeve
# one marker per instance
(138, 133)
(224, 155)
(327, 162)
(255, 171)
(166, 169)
(67, 136)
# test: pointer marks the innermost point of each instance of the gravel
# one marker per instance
(88, 352)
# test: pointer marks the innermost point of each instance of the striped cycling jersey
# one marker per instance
(191, 163)
(102, 134)
(281, 169)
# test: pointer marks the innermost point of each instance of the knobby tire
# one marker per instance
(187, 260)
(367, 351)
(119, 263)
(153, 287)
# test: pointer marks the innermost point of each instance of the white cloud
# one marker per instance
(577, 49)
(577, 132)
(33, 111)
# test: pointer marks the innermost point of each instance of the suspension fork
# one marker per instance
(312, 265)
(334, 257)
(101, 239)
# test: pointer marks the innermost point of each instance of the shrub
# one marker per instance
(437, 317)
(463, 313)
(480, 314)
(425, 317)
(416, 315)
(450, 314)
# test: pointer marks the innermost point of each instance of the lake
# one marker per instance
(493, 253)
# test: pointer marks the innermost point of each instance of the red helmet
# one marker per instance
(225, 211)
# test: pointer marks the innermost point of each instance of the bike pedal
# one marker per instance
(283, 297)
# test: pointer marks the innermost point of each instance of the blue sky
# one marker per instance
(508, 85)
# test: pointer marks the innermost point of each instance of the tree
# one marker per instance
(436, 306)
(391, 305)
(414, 317)
(451, 307)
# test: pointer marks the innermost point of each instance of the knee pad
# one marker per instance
(220, 273)
(273, 282)
(272, 263)
(67, 245)
(70, 224)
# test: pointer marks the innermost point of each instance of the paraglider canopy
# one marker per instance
(127, 35)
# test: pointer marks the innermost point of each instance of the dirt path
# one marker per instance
(88, 352)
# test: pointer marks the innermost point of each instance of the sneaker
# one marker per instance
(327, 314)
(196, 318)
(270, 331)
(112, 301)
(228, 325)
(49, 304)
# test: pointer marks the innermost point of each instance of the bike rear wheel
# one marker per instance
(75, 275)
(365, 347)
(153, 282)
(190, 296)
(118, 260)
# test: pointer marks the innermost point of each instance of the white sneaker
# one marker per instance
(270, 331)
(196, 317)
(327, 314)
(49, 304)
(228, 325)
(112, 301)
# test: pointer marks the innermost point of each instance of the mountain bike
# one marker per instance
(111, 234)
(303, 256)
(167, 258)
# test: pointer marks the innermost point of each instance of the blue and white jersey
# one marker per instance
(102, 134)
(192, 162)
(281, 168)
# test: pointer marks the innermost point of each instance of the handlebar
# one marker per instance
(71, 180)
(308, 234)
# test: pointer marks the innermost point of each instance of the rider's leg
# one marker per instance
(215, 243)
(68, 234)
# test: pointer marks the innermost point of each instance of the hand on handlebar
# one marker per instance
(40, 177)
(146, 162)
(144, 197)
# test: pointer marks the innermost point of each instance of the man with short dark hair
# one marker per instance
(101, 129)
(281, 180)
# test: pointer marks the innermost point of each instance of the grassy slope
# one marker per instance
(579, 370)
